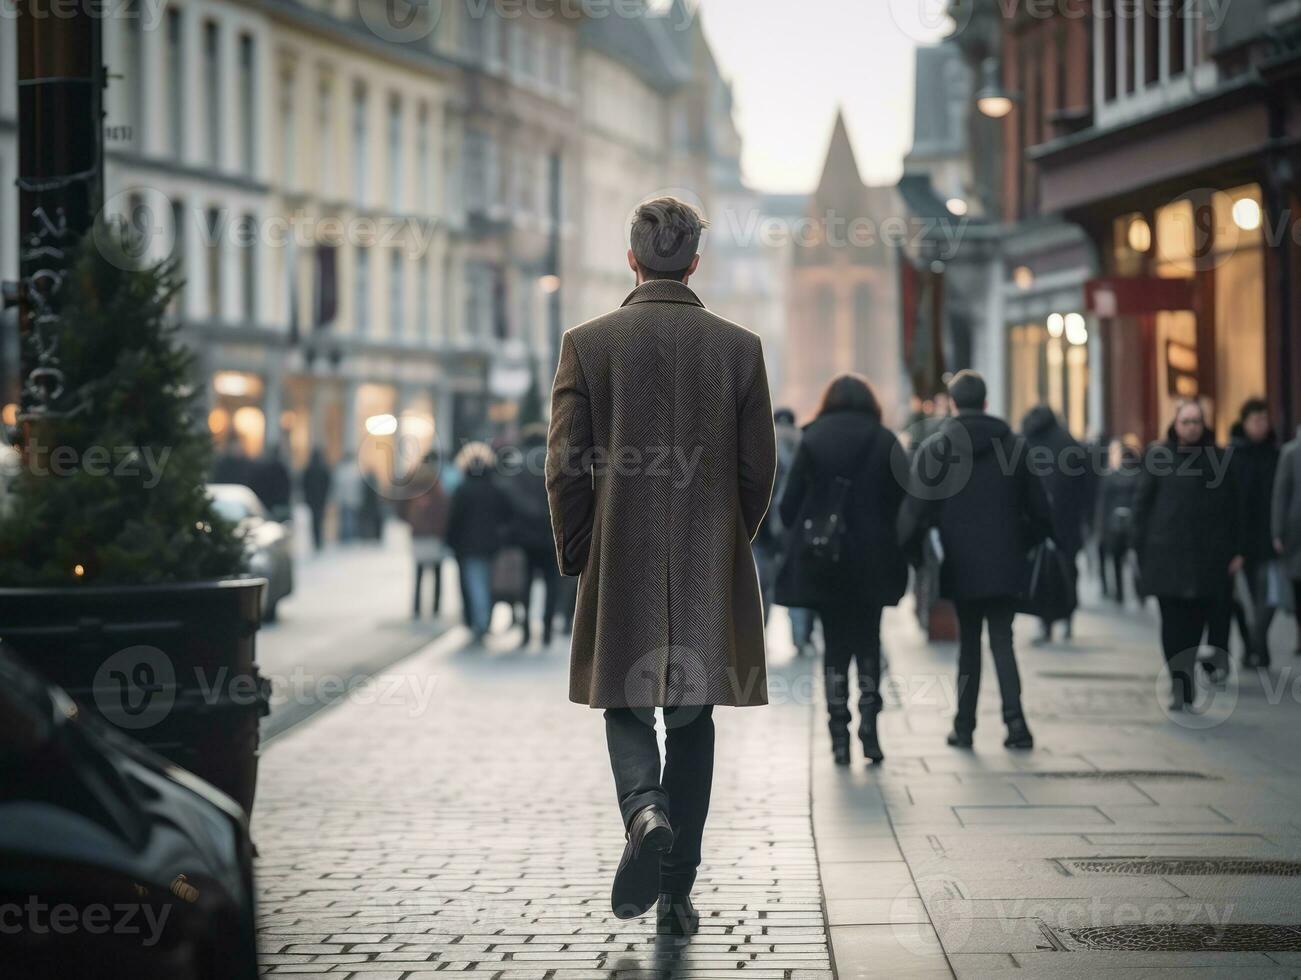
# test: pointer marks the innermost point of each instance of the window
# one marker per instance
(424, 161)
(395, 154)
(133, 41)
(476, 171)
(360, 177)
(397, 294)
(325, 142)
(248, 268)
(362, 290)
(212, 79)
(288, 131)
(247, 116)
(179, 256)
(423, 313)
(214, 246)
(175, 89)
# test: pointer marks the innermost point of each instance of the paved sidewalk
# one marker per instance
(458, 815)
(462, 818)
(1067, 861)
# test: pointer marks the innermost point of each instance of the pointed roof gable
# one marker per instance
(841, 185)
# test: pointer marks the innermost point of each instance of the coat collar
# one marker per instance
(663, 291)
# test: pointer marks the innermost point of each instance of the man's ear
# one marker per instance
(632, 264)
(691, 269)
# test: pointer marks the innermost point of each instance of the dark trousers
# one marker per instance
(1183, 624)
(682, 790)
(1257, 637)
(973, 614)
(1113, 561)
(318, 527)
(542, 565)
(437, 569)
(852, 634)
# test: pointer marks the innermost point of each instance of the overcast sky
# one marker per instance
(793, 63)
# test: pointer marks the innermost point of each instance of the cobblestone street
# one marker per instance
(457, 814)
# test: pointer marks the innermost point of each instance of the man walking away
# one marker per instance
(530, 529)
(660, 468)
(1255, 459)
(427, 515)
(1067, 485)
(316, 494)
(972, 482)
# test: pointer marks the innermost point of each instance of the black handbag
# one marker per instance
(1051, 592)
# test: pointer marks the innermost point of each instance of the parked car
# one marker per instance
(270, 542)
(114, 863)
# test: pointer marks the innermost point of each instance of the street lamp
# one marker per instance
(991, 98)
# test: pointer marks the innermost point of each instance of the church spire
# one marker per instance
(841, 180)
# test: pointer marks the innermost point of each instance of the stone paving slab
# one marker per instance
(988, 835)
(468, 825)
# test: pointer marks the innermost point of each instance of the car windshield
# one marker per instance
(232, 508)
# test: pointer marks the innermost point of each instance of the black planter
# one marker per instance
(172, 666)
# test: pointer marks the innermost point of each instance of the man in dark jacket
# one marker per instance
(316, 494)
(972, 482)
(1062, 463)
(1255, 463)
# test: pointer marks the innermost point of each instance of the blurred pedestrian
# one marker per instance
(788, 444)
(476, 525)
(273, 485)
(530, 529)
(370, 515)
(1255, 464)
(660, 466)
(1116, 518)
(972, 483)
(316, 494)
(348, 487)
(427, 515)
(232, 464)
(843, 497)
(1286, 512)
(1187, 520)
(1063, 465)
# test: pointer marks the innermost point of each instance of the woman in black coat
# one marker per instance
(1187, 532)
(476, 522)
(840, 503)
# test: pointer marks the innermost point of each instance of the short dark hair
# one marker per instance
(851, 393)
(1251, 407)
(665, 237)
(968, 391)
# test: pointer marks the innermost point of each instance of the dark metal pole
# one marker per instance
(60, 168)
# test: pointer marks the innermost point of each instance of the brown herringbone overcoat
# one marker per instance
(660, 468)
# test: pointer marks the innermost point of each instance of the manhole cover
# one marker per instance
(1084, 675)
(1116, 774)
(1243, 938)
(1184, 866)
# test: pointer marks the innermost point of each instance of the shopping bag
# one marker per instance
(510, 576)
(1051, 592)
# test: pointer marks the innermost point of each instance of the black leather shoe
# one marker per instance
(676, 916)
(871, 744)
(1018, 735)
(958, 740)
(637, 882)
(840, 750)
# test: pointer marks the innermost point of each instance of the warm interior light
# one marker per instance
(218, 421)
(1139, 235)
(1056, 325)
(236, 384)
(1246, 214)
(1077, 330)
(549, 284)
(10, 414)
(1023, 277)
(957, 206)
(382, 425)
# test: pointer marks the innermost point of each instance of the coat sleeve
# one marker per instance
(757, 447)
(570, 493)
(796, 487)
(1284, 487)
(919, 511)
(1144, 500)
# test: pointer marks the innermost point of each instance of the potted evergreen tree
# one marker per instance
(118, 581)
